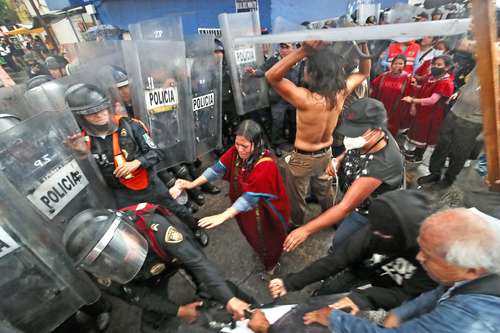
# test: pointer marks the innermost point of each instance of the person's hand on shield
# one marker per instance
(78, 144)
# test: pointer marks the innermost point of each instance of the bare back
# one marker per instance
(316, 122)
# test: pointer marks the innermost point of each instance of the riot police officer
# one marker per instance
(56, 64)
(168, 177)
(134, 252)
(230, 117)
(124, 151)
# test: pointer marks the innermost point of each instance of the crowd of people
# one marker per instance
(352, 126)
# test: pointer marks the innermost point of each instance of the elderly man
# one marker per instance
(460, 250)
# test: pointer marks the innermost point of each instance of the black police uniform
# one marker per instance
(137, 143)
(148, 289)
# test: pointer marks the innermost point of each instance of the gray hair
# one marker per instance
(469, 241)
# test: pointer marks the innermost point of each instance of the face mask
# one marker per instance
(354, 143)
(437, 53)
(437, 71)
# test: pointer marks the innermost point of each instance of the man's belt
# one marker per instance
(316, 152)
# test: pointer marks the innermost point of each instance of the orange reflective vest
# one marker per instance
(410, 53)
(136, 180)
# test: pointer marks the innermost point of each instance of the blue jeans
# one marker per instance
(349, 225)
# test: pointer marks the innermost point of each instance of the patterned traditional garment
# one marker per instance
(264, 221)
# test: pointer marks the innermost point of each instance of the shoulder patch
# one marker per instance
(173, 236)
(149, 141)
(157, 269)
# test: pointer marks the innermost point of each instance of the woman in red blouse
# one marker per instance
(389, 88)
(428, 108)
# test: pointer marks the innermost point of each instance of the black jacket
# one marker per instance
(134, 140)
(148, 289)
(399, 276)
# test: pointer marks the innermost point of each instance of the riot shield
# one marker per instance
(39, 286)
(206, 89)
(102, 60)
(162, 97)
(47, 174)
(50, 96)
(164, 28)
(13, 102)
(249, 93)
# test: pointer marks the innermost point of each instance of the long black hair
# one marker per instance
(327, 74)
(252, 131)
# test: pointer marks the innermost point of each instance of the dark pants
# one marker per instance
(457, 140)
(156, 193)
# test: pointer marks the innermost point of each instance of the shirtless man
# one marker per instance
(318, 108)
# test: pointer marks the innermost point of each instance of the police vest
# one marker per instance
(125, 148)
(410, 53)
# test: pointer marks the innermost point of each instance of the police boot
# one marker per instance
(210, 188)
(195, 194)
(201, 236)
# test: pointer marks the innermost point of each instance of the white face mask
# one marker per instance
(438, 53)
(354, 143)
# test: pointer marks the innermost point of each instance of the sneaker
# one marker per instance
(432, 178)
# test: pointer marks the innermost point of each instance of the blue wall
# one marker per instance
(198, 13)
(60, 4)
(203, 13)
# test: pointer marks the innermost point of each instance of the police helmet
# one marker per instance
(38, 81)
(85, 99)
(7, 121)
(105, 243)
(55, 62)
(119, 76)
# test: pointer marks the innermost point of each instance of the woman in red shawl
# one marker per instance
(389, 88)
(428, 108)
(256, 189)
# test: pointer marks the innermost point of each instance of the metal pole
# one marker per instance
(50, 35)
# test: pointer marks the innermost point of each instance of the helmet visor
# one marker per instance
(118, 255)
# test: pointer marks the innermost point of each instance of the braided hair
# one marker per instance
(251, 131)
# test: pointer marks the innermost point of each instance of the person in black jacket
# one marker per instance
(388, 245)
(134, 252)
(124, 152)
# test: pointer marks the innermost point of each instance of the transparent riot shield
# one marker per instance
(103, 56)
(164, 28)
(39, 286)
(47, 174)
(206, 89)
(249, 93)
(50, 96)
(162, 97)
(13, 102)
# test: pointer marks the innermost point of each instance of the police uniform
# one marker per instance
(135, 143)
(134, 252)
